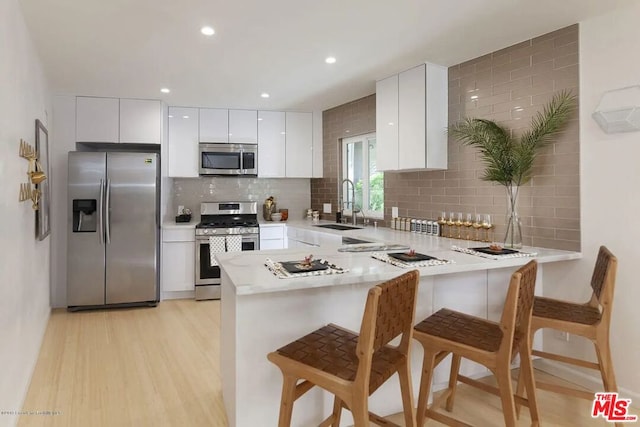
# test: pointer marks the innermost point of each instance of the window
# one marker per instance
(359, 166)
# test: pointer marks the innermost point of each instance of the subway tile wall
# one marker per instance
(292, 194)
(354, 118)
(510, 86)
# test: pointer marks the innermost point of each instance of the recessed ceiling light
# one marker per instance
(391, 123)
(264, 95)
(259, 118)
(207, 31)
(185, 117)
(282, 133)
(330, 60)
(165, 90)
(170, 116)
(474, 97)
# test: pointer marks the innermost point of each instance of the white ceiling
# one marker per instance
(132, 48)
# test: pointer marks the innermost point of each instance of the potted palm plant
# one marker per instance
(508, 159)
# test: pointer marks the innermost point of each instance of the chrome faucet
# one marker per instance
(354, 210)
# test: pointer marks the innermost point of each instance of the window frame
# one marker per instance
(366, 191)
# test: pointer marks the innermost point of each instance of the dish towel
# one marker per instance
(234, 243)
(216, 246)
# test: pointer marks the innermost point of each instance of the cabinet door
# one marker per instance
(214, 125)
(271, 244)
(411, 112)
(243, 126)
(299, 145)
(271, 144)
(97, 119)
(140, 121)
(437, 93)
(387, 123)
(178, 266)
(183, 142)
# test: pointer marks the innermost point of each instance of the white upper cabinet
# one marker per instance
(271, 144)
(140, 121)
(243, 126)
(135, 121)
(183, 142)
(97, 119)
(299, 145)
(214, 125)
(415, 101)
(387, 123)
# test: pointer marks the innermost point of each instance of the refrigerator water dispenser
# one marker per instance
(84, 216)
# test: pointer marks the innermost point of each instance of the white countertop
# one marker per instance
(249, 275)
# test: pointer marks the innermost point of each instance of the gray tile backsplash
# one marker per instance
(290, 193)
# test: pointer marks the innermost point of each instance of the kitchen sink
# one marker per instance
(373, 248)
(340, 227)
(353, 241)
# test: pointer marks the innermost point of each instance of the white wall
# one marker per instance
(24, 261)
(610, 199)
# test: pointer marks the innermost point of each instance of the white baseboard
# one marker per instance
(178, 295)
(591, 382)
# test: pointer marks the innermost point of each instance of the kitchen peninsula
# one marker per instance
(261, 312)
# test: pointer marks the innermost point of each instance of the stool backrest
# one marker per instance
(516, 316)
(603, 282)
(389, 311)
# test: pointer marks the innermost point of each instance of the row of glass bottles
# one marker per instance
(414, 225)
(468, 227)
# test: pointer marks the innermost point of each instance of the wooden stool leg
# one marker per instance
(406, 390)
(286, 402)
(428, 365)
(453, 381)
(521, 379)
(360, 410)
(503, 376)
(603, 351)
(337, 411)
(526, 377)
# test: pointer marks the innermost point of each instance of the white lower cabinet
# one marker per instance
(272, 236)
(178, 260)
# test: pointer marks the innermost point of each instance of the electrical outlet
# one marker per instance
(326, 208)
(563, 336)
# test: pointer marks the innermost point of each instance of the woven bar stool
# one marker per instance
(353, 366)
(590, 320)
(491, 344)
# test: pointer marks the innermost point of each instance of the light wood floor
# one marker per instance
(160, 367)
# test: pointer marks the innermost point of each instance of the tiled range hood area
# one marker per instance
(509, 86)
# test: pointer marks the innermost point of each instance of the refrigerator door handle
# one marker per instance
(100, 212)
(107, 212)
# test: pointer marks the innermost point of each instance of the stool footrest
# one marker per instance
(565, 390)
(491, 389)
(445, 419)
(566, 359)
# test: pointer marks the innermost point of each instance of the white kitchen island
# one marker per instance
(261, 312)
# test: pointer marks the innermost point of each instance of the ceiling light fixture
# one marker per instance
(330, 60)
(165, 90)
(207, 31)
(264, 95)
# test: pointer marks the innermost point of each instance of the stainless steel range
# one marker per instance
(234, 226)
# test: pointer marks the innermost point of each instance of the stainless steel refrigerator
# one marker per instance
(113, 229)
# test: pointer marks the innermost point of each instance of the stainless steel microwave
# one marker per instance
(228, 159)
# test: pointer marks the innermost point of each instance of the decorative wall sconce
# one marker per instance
(619, 110)
(35, 174)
